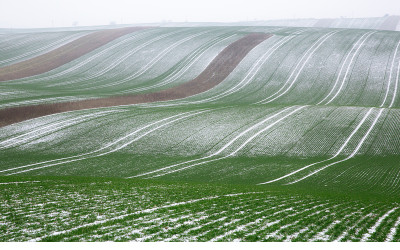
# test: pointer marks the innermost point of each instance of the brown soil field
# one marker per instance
(390, 23)
(222, 65)
(63, 54)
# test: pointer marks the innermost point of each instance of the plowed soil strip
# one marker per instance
(222, 65)
(390, 23)
(63, 54)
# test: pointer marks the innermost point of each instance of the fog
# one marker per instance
(65, 13)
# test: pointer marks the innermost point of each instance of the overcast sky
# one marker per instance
(64, 13)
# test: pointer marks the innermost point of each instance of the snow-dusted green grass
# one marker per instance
(301, 141)
(92, 209)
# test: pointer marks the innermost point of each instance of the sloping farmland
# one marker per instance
(291, 136)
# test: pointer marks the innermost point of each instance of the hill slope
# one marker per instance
(309, 113)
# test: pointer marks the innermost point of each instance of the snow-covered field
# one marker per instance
(103, 210)
(300, 142)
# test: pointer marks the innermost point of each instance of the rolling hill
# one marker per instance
(248, 133)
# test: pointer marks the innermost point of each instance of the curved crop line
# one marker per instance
(148, 66)
(189, 88)
(263, 130)
(251, 73)
(264, 215)
(390, 75)
(367, 35)
(347, 158)
(53, 44)
(191, 60)
(310, 53)
(302, 209)
(393, 231)
(247, 130)
(41, 100)
(11, 43)
(112, 150)
(395, 86)
(111, 65)
(355, 224)
(307, 213)
(220, 150)
(97, 152)
(51, 128)
(26, 38)
(129, 54)
(233, 153)
(336, 154)
(40, 78)
(63, 54)
(86, 61)
(219, 217)
(341, 69)
(149, 210)
(348, 69)
(372, 229)
(183, 66)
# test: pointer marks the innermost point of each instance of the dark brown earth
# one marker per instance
(63, 54)
(222, 65)
(390, 23)
(324, 23)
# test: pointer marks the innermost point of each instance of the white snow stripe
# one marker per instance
(149, 210)
(102, 148)
(53, 45)
(367, 134)
(249, 76)
(363, 38)
(347, 158)
(109, 151)
(18, 182)
(264, 129)
(232, 154)
(216, 153)
(390, 75)
(148, 66)
(50, 128)
(348, 69)
(112, 64)
(354, 131)
(393, 231)
(194, 58)
(309, 53)
(247, 130)
(373, 229)
(337, 153)
(395, 86)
